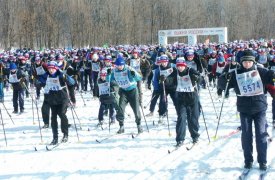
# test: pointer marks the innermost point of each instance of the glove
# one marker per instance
(133, 73)
(109, 71)
(162, 78)
(22, 80)
(140, 98)
(194, 78)
(149, 87)
(228, 76)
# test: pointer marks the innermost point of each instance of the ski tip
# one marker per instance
(35, 149)
(97, 141)
(133, 137)
(47, 148)
(169, 152)
(24, 132)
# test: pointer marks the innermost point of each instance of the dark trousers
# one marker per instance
(104, 107)
(132, 98)
(85, 76)
(154, 100)
(94, 82)
(163, 101)
(190, 115)
(45, 110)
(18, 95)
(59, 110)
(260, 134)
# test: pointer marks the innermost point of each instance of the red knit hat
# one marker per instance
(181, 62)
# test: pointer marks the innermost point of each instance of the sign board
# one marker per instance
(192, 34)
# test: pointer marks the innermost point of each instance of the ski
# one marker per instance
(244, 174)
(51, 147)
(135, 135)
(191, 147)
(232, 133)
(262, 175)
(173, 150)
(109, 137)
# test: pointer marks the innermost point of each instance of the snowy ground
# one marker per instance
(122, 157)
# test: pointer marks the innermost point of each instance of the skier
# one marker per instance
(106, 96)
(17, 78)
(126, 78)
(249, 82)
(187, 102)
(56, 96)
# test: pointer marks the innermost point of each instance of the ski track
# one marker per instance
(122, 157)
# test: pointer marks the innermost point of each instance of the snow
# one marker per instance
(122, 157)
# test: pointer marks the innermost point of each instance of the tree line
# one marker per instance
(82, 23)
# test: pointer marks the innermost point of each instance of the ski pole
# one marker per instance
(82, 98)
(74, 123)
(166, 102)
(144, 117)
(7, 112)
(3, 128)
(35, 102)
(149, 101)
(72, 108)
(204, 122)
(221, 109)
(211, 99)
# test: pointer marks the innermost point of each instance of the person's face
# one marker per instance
(247, 64)
(107, 63)
(164, 64)
(181, 68)
(103, 77)
(120, 67)
(52, 70)
(190, 57)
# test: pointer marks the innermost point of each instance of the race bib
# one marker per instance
(250, 83)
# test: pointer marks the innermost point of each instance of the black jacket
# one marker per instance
(256, 103)
(188, 98)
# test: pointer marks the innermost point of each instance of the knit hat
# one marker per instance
(120, 61)
(163, 58)
(181, 62)
(103, 72)
(13, 66)
(248, 56)
(52, 65)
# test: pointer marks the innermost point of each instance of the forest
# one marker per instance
(85, 23)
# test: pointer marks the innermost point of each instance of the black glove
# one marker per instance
(162, 78)
(228, 76)
(109, 71)
(149, 87)
(194, 78)
(133, 73)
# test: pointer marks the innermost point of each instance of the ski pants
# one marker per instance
(59, 110)
(260, 124)
(131, 97)
(188, 115)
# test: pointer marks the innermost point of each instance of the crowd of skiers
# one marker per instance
(117, 74)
